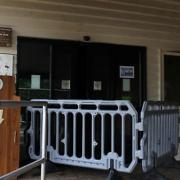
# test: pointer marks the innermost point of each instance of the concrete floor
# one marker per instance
(75, 173)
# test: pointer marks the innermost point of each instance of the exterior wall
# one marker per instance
(154, 24)
(153, 73)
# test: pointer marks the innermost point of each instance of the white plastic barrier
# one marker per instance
(160, 133)
(105, 134)
(94, 134)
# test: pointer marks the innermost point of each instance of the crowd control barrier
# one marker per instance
(94, 134)
(160, 133)
(42, 158)
(106, 134)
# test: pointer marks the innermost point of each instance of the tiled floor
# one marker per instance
(74, 173)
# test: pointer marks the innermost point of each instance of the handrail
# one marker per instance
(42, 160)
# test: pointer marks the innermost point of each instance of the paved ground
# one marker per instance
(74, 173)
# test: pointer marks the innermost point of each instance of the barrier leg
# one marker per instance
(113, 174)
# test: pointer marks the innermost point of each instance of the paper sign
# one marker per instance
(6, 64)
(66, 84)
(35, 81)
(97, 85)
(1, 116)
(126, 85)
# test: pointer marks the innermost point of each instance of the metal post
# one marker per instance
(44, 151)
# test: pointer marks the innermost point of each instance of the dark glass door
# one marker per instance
(60, 69)
(129, 73)
(64, 69)
(172, 78)
(33, 78)
(98, 72)
(103, 68)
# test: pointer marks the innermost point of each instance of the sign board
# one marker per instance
(126, 71)
(6, 64)
(5, 37)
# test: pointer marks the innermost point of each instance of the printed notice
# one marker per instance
(97, 85)
(66, 84)
(126, 85)
(35, 81)
(126, 71)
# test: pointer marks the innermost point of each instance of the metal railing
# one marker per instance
(106, 134)
(160, 133)
(42, 160)
(95, 134)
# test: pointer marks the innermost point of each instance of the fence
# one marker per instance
(93, 134)
(42, 159)
(106, 134)
(160, 133)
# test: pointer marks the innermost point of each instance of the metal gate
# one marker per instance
(160, 133)
(87, 133)
(105, 134)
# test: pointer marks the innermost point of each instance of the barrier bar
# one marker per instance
(93, 128)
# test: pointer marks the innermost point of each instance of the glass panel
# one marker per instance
(171, 78)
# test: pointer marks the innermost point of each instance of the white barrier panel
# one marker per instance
(35, 118)
(160, 133)
(94, 134)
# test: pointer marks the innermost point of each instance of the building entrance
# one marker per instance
(58, 69)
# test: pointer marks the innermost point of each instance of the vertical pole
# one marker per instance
(123, 140)
(50, 71)
(83, 135)
(112, 134)
(102, 135)
(43, 152)
(74, 134)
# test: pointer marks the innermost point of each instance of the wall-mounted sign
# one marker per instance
(5, 37)
(35, 81)
(6, 64)
(66, 84)
(97, 85)
(126, 71)
(126, 85)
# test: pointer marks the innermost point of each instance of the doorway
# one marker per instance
(171, 82)
(171, 85)
(61, 69)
